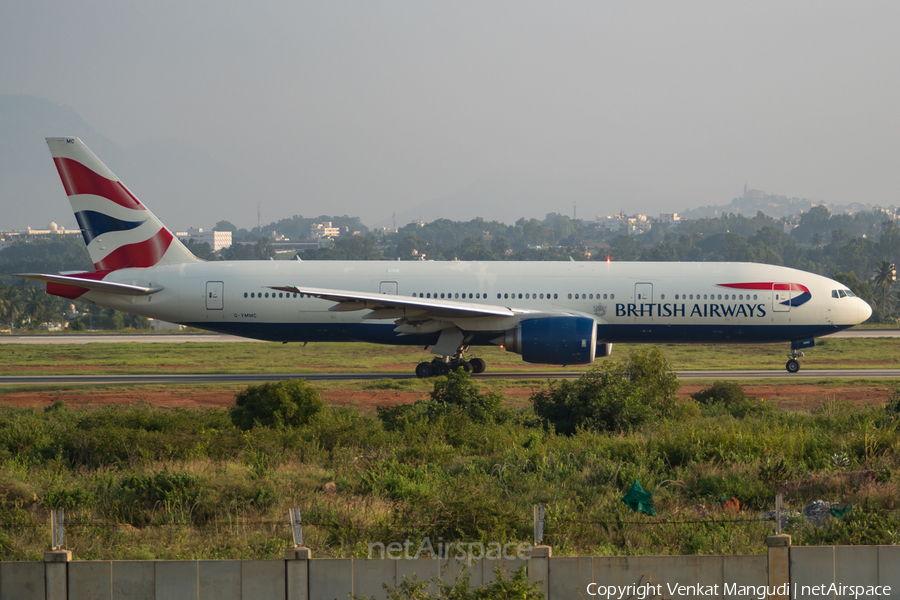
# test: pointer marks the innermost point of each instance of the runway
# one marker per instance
(215, 338)
(540, 375)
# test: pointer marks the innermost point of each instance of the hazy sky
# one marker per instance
(372, 107)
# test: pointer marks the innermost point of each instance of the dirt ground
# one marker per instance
(787, 396)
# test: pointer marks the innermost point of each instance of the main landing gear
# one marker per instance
(441, 366)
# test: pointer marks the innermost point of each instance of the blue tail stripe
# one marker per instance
(94, 223)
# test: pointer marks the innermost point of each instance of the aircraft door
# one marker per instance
(389, 287)
(215, 295)
(781, 293)
(643, 293)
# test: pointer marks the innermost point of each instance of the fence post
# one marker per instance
(57, 530)
(539, 557)
(779, 558)
(297, 558)
(56, 560)
(538, 524)
(778, 514)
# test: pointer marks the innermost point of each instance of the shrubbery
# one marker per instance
(611, 397)
(278, 404)
(729, 397)
(454, 393)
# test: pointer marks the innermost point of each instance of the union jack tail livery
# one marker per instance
(119, 231)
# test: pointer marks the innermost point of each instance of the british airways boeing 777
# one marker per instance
(561, 313)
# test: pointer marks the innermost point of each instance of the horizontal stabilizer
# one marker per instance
(92, 284)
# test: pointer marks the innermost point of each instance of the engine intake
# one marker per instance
(562, 340)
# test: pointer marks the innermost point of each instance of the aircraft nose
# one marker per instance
(865, 311)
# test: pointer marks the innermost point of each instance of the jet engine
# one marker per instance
(563, 340)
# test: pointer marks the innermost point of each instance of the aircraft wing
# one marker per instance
(386, 304)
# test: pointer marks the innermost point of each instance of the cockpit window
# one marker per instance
(834, 294)
(849, 293)
(842, 293)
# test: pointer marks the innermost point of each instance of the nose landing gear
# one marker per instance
(793, 365)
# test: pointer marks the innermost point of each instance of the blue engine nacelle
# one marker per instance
(562, 340)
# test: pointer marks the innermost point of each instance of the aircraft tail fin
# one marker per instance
(119, 231)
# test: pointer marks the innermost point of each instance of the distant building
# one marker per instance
(53, 230)
(217, 240)
(324, 230)
(668, 217)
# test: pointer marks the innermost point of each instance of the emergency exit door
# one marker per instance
(781, 297)
(215, 295)
(643, 293)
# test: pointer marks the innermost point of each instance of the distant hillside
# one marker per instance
(754, 201)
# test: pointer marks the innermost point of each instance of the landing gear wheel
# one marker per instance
(466, 365)
(424, 370)
(478, 365)
(442, 369)
(792, 366)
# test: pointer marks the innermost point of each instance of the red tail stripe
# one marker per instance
(139, 255)
(766, 286)
(78, 179)
(73, 292)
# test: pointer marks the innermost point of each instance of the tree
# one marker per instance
(225, 226)
(11, 304)
(885, 276)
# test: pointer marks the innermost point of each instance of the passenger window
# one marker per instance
(576, 296)
(612, 296)
(505, 296)
(570, 296)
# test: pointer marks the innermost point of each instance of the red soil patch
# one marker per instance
(786, 396)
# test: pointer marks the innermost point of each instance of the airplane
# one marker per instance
(557, 313)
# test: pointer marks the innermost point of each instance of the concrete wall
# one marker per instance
(563, 578)
(846, 565)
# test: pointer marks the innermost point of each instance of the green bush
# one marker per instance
(457, 390)
(455, 393)
(729, 397)
(279, 404)
(721, 392)
(611, 397)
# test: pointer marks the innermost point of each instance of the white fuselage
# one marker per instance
(631, 301)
